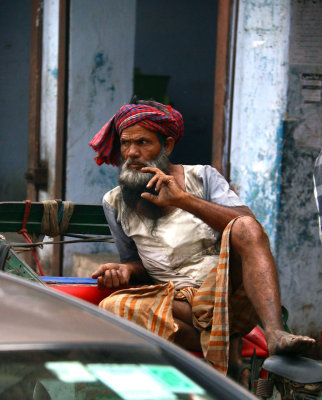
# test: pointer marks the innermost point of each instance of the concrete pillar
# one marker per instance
(260, 96)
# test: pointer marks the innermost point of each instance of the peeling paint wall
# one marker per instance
(14, 97)
(299, 248)
(100, 81)
(49, 92)
(259, 105)
(49, 109)
(276, 136)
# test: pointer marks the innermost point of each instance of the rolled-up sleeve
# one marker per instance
(125, 245)
(216, 188)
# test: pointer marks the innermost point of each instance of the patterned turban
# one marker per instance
(106, 142)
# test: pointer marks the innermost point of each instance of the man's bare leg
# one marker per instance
(187, 336)
(250, 248)
(237, 370)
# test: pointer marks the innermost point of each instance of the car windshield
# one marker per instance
(83, 374)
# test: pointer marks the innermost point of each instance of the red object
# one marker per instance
(254, 340)
(23, 231)
(89, 293)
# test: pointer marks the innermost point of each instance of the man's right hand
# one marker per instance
(112, 276)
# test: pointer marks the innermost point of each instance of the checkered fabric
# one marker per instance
(106, 142)
(317, 179)
(217, 313)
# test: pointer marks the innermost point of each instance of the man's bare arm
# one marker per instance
(117, 275)
(171, 195)
(214, 215)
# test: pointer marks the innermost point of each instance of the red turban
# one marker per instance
(106, 142)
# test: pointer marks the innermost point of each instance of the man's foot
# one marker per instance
(281, 342)
(240, 373)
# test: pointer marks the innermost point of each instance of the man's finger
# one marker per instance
(152, 180)
(122, 278)
(108, 279)
(99, 271)
(115, 279)
(151, 169)
(100, 282)
(164, 180)
(149, 196)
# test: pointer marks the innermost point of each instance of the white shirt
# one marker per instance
(182, 248)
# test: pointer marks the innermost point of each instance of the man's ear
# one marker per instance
(169, 144)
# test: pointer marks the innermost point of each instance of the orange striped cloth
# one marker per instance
(217, 313)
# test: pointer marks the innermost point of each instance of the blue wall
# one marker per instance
(100, 81)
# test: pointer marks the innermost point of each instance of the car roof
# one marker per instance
(34, 317)
(31, 313)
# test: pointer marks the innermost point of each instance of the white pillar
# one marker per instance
(259, 104)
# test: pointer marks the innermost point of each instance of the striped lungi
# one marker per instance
(217, 313)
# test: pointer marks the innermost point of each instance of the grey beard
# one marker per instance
(133, 178)
(133, 184)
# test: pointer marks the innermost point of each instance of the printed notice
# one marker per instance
(306, 33)
(311, 88)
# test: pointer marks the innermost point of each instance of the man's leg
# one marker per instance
(253, 264)
(187, 336)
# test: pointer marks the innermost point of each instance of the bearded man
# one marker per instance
(206, 261)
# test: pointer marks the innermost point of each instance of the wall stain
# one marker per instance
(53, 72)
(101, 76)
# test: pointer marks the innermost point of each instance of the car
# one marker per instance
(55, 346)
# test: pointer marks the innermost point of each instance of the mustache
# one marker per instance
(134, 177)
(134, 160)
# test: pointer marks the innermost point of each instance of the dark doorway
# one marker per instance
(15, 17)
(178, 39)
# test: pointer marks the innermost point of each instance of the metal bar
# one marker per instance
(62, 90)
(61, 126)
(34, 100)
(224, 8)
(34, 93)
(230, 88)
(86, 219)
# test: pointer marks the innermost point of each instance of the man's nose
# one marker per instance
(133, 150)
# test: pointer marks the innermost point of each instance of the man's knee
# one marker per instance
(246, 231)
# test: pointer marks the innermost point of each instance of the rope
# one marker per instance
(23, 231)
(55, 222)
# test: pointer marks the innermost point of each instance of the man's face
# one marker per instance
(138, 146)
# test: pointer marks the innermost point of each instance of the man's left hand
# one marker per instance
(169, 192)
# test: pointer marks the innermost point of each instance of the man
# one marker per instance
(168, 221)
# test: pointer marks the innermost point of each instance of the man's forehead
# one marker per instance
(137, 131)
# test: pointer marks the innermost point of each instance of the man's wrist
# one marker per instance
(184, 201)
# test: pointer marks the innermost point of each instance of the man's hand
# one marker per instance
(170, 193)
(112, 276)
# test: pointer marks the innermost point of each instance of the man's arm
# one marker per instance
(130, 269)
(214, 215)
(172, 195)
